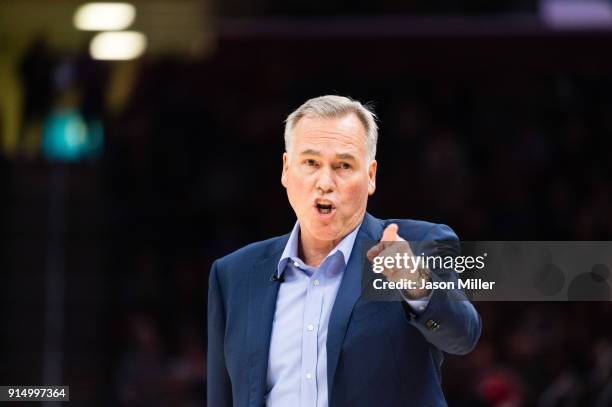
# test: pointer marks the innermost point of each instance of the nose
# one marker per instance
(325, 181)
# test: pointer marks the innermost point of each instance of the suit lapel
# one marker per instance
(261, 306)
(348, 293)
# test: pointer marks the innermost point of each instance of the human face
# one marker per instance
(327, 178)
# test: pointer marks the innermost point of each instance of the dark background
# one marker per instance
(495, 125)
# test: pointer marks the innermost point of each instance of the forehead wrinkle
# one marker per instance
(318, 138)
(341, 150)
(344, 136)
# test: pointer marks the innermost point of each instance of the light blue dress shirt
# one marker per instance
(297, 364)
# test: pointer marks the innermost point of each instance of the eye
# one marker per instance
(345, 166)
(310, 162)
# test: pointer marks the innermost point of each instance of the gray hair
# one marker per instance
(331, 107)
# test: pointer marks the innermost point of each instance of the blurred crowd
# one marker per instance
(191, 170)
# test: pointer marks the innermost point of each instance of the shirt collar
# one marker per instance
(291, 248)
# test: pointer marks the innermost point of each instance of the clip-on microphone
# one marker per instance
(276, 279)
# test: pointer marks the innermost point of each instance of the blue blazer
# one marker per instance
(378, 352)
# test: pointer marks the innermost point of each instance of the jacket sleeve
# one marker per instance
(219, 387)
(450, 322)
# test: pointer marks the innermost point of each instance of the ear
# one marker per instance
(285, 169)
(372, 177)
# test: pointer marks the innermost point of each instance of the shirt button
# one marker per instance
(308, 376)
(316, 282)
(310, 327)
(295, 263)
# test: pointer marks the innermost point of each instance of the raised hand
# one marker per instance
(403, 266)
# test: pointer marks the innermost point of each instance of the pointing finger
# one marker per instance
(390, 233)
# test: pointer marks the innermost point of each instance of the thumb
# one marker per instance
(390, 233)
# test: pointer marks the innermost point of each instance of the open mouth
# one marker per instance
(325, 207)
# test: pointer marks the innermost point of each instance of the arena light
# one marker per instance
(118, 45)
(577, 14)
(104, 16)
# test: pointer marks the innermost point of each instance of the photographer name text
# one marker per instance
(423, 284)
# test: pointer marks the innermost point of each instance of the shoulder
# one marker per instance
(411, 229)
(254, 252)
(227, 275)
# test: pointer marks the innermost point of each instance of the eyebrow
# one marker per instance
(345, 156)
(341, 156)
(310, 152)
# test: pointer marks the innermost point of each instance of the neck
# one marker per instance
(314, 251)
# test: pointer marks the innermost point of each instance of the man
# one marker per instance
(288, 325)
